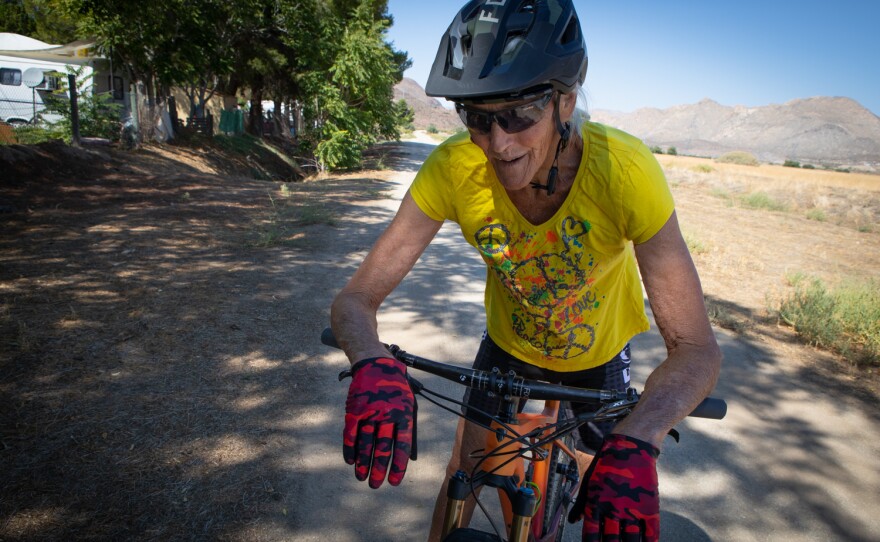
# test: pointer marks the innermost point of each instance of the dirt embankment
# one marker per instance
(150, 306)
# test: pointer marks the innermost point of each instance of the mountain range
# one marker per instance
(821, 131)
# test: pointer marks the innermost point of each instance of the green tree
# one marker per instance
(178, 44)
(327, 61)
(406, 114)
(355, 107)
(39, 19)
(14, 18)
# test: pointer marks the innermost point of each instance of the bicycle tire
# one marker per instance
(471, 535)
(559, 486)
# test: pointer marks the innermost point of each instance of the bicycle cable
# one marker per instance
(560, 428)
(426, 393)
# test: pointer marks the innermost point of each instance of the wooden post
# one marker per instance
(134, 107)
(74, 110)
(172, 112)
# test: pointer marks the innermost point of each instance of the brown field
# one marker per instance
(772, 172)
(846, 199)
(808, 222)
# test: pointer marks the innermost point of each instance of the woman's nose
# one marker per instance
(498, 138)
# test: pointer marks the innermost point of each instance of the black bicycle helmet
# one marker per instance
(504, 49)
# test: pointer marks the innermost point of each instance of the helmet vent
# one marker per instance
(513, 42)
(527, 7)
(472, 14)
(572, 32)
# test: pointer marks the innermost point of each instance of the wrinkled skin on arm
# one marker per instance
(353, 313)
(619, 497)
(693, 361)
(380, 411)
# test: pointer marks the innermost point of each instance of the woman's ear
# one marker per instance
(567, 103)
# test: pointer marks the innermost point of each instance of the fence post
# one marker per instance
(74, 110)
(172, 112)
(134, 108)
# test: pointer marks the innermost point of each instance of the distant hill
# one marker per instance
(820, 131)
(428, 110)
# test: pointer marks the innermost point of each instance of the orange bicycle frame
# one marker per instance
(518, 516)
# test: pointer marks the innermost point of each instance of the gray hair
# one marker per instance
(581, 113)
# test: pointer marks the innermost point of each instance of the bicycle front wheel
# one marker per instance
(471, 535)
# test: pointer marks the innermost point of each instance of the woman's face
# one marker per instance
(522, 157)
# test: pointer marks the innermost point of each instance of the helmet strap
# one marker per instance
(564, 130)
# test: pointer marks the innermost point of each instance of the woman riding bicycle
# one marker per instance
(566, 214)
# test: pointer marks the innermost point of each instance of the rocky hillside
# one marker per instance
(428, 110)
(821, 131)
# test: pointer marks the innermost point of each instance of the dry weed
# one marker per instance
(847, 199)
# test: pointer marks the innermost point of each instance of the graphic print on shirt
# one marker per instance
(549, 283)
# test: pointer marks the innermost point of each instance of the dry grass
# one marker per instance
(777, 173)
(750, 228)
(847, 199)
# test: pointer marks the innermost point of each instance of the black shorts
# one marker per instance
(613, 375)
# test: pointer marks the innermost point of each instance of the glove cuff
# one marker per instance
(618, 441)
(382, 360)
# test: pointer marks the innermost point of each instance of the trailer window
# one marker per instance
(10, 76)
(52, 82)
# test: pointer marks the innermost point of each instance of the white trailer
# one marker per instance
(24, 59)
(25, 82)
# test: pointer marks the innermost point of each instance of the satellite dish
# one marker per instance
(32, 77)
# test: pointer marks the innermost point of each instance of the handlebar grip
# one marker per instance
(712, 408)
(328, 338)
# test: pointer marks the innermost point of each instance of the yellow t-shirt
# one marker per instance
(564, 295)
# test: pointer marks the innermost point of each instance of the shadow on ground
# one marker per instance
(162, 378)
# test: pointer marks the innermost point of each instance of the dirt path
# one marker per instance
(162, 379)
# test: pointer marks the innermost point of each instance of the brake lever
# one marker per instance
(622, 409)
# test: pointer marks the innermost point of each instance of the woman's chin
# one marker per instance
(512, 177)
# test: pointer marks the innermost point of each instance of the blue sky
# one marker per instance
(650, 53)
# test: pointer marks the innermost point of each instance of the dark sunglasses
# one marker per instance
(511, 120)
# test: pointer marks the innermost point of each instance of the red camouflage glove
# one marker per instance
(619, 499)
(379, 420)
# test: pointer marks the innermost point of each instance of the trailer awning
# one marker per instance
(80, 52)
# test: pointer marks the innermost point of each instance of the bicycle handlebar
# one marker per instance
(515, 386)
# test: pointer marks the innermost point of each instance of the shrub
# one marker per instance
(339, 151)
(760, 200)
(808, 166)
(98, 113)
(845, 320)
(703, 168)
(656, 150)
(406, 115)
(672, 151)
(695, 246)
(791, 163)
(741, 158)
(816, 214)
(432, 129)
(30, 134)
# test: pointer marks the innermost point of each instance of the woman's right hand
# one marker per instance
(379, 421)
